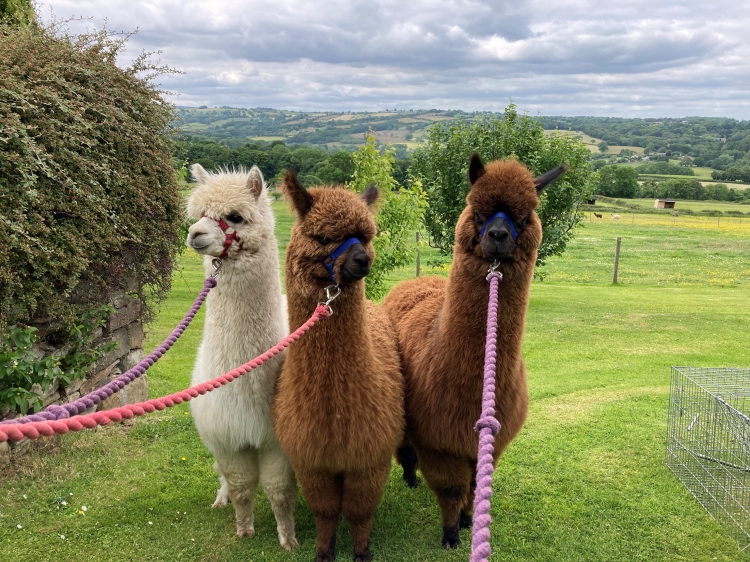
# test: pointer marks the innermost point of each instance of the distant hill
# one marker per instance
(236, 126)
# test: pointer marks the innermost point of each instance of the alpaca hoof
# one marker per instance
(221, 501)
(330, 555)
(411, 480)
(289, 544)
(365, 556)
(465, 521)
(450, 537)
(244, 530)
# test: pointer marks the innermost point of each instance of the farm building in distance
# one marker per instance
(664, 204)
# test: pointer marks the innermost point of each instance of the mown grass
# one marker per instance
(585, 479)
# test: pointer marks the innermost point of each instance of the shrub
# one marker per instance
(88, 194)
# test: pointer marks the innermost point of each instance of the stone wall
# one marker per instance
(123, 327)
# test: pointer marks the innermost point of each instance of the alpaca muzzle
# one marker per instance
(498, 237)
(357, 263)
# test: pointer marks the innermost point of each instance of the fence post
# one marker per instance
(617, 260)
(417, 253)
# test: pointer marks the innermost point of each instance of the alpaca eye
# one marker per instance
(477, 218)
(234, 218)
(324, 241)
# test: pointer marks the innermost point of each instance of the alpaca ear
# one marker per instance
(476, 168)
(296, 194)
(199, 173)
(544, 180)
(370, 195)
(255, 181)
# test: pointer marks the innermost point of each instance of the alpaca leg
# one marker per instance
(407, 458)
(280, 487)
(222, 495)
(240, 470)
(323, 490)
(362, 493)
(466, 518)
(449, 477)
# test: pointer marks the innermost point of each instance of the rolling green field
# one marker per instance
(585, 479)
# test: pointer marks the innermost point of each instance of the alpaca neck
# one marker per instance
(464, 312)
(337, 339)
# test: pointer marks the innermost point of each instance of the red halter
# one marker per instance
(228, 238)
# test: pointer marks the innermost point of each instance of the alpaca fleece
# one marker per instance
(441, 328)
(245, 316)
(338, 410)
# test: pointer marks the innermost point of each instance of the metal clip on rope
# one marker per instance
(216, 262)
(493, 269)
(331, 296)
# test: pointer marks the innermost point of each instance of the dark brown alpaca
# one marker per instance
(338, 411)
(441, 327)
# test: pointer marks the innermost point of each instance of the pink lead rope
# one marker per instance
(488, 426)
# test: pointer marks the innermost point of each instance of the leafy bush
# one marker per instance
(442, 166)
(399, 213)
(89, 202)
(21, 367)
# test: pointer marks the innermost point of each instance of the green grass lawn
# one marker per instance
(584, 481)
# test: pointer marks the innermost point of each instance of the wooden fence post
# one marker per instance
(617, 260)
(417, 253)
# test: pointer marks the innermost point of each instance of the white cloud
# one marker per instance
(574, 57)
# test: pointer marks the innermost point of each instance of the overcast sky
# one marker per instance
(628, 58)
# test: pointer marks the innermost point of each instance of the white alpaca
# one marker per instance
(615, 217)
(245, 316)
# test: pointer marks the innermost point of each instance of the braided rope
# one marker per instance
(32, 430)
(488, 426)
(55, 412)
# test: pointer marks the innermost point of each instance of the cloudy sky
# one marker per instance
(629, 58)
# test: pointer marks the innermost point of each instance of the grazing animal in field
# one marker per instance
(598, 215)
(616, 217)
(441, 327)
(245, 316)
(338, 410)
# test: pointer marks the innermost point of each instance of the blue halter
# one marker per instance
(343, 247)
(513, 231)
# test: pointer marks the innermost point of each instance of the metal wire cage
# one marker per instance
(708, 442)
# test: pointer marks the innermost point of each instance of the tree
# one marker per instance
(399, 214)
(442, 166)
(17, 12)
(603, 147)
(617, 181)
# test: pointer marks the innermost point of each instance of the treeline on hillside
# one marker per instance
(622, 181)
(718, 143)
(314, 166)
(734, 173)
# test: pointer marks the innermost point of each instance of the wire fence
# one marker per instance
(708, 442)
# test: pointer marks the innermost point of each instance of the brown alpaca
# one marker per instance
(338, 411)
(441, 327)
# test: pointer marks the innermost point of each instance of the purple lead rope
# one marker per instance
(488, 426)
(93, 398)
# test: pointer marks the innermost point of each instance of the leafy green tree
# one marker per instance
(442, 166)
(17, 12)
(617, 181)
(400, 212)
(603, 147)
(337, 169)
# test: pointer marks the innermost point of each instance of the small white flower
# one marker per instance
(71, 493)
(24, 497)
(64, 502)
(19, 526)
(62, 537)
(150, 522)
(83, 507)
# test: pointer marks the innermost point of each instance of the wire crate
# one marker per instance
(708, 442)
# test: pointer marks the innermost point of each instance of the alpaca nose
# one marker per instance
(362, 260)
(498, 234)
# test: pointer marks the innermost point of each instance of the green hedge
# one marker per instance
(88, 194)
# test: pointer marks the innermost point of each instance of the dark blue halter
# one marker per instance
(343, 247)
(513, 231)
